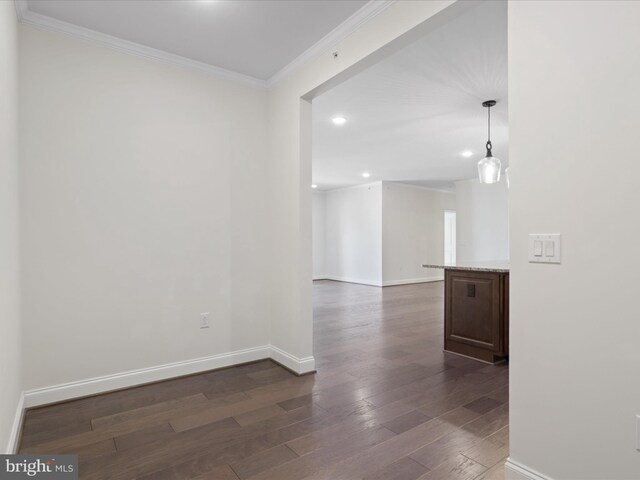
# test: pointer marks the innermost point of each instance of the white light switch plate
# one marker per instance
(550, 252)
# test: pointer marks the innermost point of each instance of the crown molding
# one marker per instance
(27, 17)
(406, 183)
(369, 11)
(21, 8)
(349, 187)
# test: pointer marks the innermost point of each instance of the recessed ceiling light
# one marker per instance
(467, 153)
(366, 174)
(314, 186)
(339, 120)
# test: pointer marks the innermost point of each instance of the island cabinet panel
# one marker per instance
(476, 308)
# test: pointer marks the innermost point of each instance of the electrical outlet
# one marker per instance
(204, 320)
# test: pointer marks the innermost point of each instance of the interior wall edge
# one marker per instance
(299, 366)
(290, 153)
(11, 384)
(16, 428)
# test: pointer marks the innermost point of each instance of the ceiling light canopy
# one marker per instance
(489, 167)
(339, 120)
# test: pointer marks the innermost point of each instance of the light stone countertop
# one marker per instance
(501, 266)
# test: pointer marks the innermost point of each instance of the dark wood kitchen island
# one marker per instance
(476, 309)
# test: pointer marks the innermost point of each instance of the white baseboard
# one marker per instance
(516, 471)
(92, 386)
(375, 283)
(407, 281)
(361, 281)
(107, 383)
(16, 428)
(295, 364)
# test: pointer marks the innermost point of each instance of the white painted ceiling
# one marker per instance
(252, 37)
(412, 115)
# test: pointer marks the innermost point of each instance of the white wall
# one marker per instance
(10, 330)
(318, 231)
(143, 191)
(482, 221)
(574, 72)
(96, 190)
(412, 232)
(353, 234)
(379, 234)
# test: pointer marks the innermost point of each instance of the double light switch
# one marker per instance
(544, 248)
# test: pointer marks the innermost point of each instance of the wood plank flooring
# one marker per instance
(386, 403)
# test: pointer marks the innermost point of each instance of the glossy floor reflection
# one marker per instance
(386, 403)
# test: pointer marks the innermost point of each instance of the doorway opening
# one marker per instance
(394, 191)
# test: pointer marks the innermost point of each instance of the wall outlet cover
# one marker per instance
(204, 320)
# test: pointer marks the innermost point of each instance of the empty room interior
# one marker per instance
(319, 239)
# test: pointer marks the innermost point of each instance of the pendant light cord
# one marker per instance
(489, 146)
(489, 125)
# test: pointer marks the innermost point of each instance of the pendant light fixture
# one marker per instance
(489, 167)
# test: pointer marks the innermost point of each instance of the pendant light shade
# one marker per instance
(489, 167)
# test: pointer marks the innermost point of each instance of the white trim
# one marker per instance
(295, 364)
(350, 187)
(107, 383)
(21, 8)
(16, 428)
(516, 471)
(28, 17)
(422, 187)
(361, 281)
(375, 283)
(467, 180)
(408, 281)
(370, 10)
(342, 31)
(92, 386)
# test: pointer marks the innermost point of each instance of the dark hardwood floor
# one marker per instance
(386, 403)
